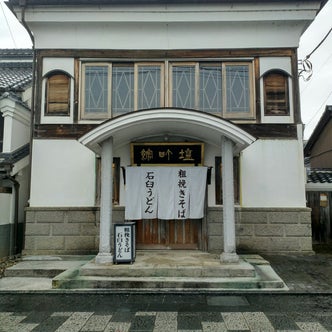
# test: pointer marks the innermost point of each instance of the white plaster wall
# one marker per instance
(63, 174)
(265, 24)
(156, 36)
(16, 125)
(272, 174)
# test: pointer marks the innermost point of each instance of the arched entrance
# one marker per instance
(149, 124)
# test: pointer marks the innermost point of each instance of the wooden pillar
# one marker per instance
(105, 255)
(229, 255)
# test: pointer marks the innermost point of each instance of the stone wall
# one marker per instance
(76, 230)
(264, 230)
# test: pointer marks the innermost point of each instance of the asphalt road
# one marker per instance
(164, 312)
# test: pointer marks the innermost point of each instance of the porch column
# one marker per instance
(105, 255)
(229, 255)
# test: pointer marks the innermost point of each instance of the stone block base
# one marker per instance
(75, 231)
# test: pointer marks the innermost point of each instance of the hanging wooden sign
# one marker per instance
(167, 154)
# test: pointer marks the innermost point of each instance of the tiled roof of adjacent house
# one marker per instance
(319, 176)
(15, 69)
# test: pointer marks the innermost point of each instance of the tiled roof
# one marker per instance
(319, 176)
(16, 53)
(15, 69)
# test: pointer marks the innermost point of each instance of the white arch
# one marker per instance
(157, 122)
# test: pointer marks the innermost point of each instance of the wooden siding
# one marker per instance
(321, 152)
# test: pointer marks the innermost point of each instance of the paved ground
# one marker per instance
(165, 313)
(306, 307)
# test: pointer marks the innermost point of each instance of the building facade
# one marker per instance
(318, 156)
(15, 119)
(122, 85)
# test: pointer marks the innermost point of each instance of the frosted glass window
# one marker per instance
(237, 89)
(122, 89)
(149, 87)
(183, 86)
(210, 82)
(96, 89)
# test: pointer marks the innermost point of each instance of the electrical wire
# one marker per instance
(8, 25)
(306, 71)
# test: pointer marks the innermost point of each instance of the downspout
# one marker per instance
(16, 212)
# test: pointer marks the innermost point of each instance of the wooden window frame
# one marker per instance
(166, 95)
(51, 100)
(279, 107)
(95, 115)
(239, 115)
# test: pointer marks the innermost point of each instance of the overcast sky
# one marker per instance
(315, 93)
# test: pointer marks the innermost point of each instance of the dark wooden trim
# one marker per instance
(38, 85)
(62, 131)
(270, 130)
(162, 54)
(76, 89)
(257, 90)
(296, 89)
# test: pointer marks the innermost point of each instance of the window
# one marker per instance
(224, 89)
(238, 99)
(95, 89)
(276, 100)
(218, 180)
(122, 89)
(57, 94)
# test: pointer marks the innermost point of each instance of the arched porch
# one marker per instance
(148, 124)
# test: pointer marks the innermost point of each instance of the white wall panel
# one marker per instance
(63, 174)
(272, 174)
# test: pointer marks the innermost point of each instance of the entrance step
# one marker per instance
(175, 270)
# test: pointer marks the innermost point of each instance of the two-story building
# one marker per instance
(182, 115)
(15, 120)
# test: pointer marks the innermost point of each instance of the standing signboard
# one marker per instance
(124, 243)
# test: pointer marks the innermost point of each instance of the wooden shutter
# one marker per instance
(58, 95)
(276, 94)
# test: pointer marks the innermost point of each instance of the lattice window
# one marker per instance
(122, 88)
(210, 97)
(238, 97)
(225, 89)
(149, 86)
(183, 86)
(96, 90)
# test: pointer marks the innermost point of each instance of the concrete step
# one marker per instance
(265, 279)
(45, 266)
(179, 271)
(137, 270)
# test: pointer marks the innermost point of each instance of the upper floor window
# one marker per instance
(276, 97)
(57, 101)
(112, 89)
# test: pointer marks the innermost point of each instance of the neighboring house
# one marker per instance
(318, 153)
(162, 85)
(15, 103)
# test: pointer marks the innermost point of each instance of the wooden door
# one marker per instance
(168, 234)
